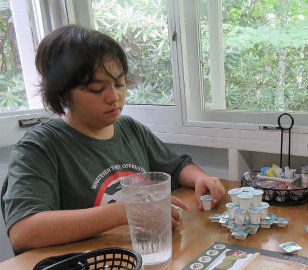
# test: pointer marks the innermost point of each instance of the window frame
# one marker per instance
(10, 131)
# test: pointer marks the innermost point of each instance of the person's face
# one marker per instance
(99, 104)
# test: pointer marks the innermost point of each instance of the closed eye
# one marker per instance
(96, 91)
(120, 85)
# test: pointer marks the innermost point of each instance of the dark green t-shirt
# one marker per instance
(56, 167)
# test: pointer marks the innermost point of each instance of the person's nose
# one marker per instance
(112, 95)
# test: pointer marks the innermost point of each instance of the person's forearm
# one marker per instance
(65, 226)
(189, 175)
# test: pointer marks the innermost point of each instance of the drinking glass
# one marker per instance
(147, 198)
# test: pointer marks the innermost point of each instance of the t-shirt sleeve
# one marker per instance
(32, 182)
(161, 158)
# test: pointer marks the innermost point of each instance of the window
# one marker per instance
(19, 98)
(253, 61)
(13, 94)
(141, 28)
(21, 29)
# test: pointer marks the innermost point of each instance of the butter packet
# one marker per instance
(266, 223)
(215, 217)
(270, 216)
(241, 234)
(281, 222)
(251, 228)
(224, 222)
(235, 227)
(225, 215)
(290, 247)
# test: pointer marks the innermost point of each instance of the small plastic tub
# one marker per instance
(233, 194)
(244, 199)
(206, 202)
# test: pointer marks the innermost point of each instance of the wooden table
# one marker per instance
(196, 233)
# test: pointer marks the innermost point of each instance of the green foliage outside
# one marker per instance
(12, 89)
(266, 52)
(265, 44)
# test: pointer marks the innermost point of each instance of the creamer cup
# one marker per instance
(257, 197)
(244, 199)
(255, 215)
(233, 194)
(230, 208)
(248, 189)
(206, 202)
(239, 215)
(264, 206)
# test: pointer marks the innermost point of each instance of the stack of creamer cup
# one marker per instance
(246, 213)
(247, 205)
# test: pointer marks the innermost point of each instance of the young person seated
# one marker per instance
(64, 174)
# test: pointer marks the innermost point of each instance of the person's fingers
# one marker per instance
(176, 217)
(221, 192)
(175, 223)
(199, 191)
(179, 203)
(212, 185)
(215, 189)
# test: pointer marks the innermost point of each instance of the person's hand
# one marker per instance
(175, 213)
(210, 184)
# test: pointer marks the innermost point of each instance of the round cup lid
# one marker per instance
(264, 204)
(206, 197)
(255, 210)
(239, 210)
(230, 205)
(234, 191)
(258, 192)
(245, 195)
(248, 189)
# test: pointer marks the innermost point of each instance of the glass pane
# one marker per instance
(265, 52)
(140, 26)
(12, 89)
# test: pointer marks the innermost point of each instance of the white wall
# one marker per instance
(213, 161)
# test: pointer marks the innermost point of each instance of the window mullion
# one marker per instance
(191, 61)
(26, 49)
(79, 12)
(52, 14)
(176, 57)
(217, 72)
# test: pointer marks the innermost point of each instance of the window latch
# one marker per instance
(174, 35)
(25, 123)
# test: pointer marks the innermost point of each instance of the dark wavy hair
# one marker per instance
(68, 57)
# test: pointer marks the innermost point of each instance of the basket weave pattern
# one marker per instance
(104, 259)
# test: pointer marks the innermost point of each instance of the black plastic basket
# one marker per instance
(279, 197)
(105, 259)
